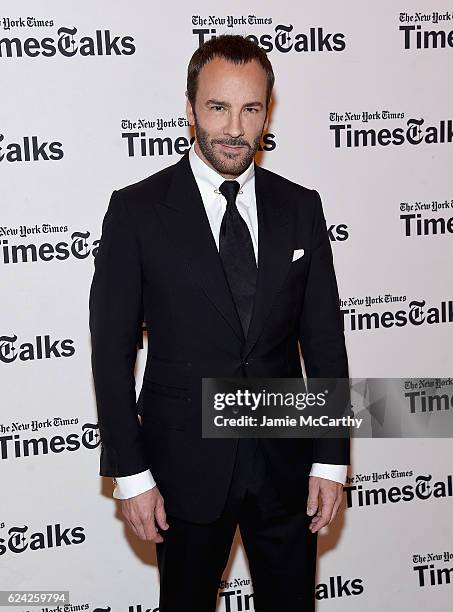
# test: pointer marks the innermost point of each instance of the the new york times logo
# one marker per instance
(420, 224)
(416, 314)
(67, 43)
(430, 568)
(23, 231)
(14, 446)
(423, 489)
(414, 133)
(19, 539)
(30, 148)
(282, 39)
(415, 36)
(25, 22)
(42, 347)
(378, 476)
(79, 247)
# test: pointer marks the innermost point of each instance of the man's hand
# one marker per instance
(324, 499)
(142, 511)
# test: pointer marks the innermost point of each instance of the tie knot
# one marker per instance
(230, 190)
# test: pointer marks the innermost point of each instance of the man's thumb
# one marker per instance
(312, 503)
(161, 517)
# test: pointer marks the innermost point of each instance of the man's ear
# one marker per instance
(189, 112)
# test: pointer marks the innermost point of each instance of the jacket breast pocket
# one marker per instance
(292, 286)
(300, 263)
(165, 406)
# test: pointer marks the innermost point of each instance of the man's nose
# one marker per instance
(234, 126)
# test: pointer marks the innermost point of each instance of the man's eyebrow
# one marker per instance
(228, 105)
(257, 103)
(217, 103)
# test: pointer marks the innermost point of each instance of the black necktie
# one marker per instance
(237, 255)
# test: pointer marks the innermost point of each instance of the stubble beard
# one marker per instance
(232, 164)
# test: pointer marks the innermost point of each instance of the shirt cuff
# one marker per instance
(130, 486)
(330, 471)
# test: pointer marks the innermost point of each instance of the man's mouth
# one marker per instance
(231, 148)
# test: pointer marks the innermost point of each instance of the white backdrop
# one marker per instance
(72, 96)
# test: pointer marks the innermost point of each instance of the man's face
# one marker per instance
(230, 114)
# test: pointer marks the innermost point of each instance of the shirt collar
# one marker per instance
(210, 180)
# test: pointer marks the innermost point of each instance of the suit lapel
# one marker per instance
(184, 216)
(274, 251)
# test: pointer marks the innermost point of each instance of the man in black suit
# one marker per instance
(230, 265)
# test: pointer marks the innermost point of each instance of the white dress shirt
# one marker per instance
(209, 181)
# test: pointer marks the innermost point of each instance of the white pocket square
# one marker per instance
(298, 254)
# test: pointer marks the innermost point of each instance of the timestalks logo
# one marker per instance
(416, 314)
(414, 134)
(422, 489)
(12, 446)
(19, 540)
(234, 600)
(30, 148)
(42, 347)
(284, 40)
(79, 248)
(67, 43)
(140, 145)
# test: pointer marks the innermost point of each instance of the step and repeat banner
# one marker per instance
(92, 99)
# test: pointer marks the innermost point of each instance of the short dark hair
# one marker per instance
(233, 48)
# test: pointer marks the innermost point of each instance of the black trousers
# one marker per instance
(280, 548)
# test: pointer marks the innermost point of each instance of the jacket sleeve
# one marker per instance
(115, 319)
(321, 330)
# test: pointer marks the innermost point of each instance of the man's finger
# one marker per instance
(150, 531)
(142, 523)
(160, 514)
(312, 501)
(336, 506)
(136, 526)
(315, 519)
(328, 502)
(147, 526)
(323, 519)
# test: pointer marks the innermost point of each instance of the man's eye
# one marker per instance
(251, 109)
(216, 107)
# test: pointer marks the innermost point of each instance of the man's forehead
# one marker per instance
(219, 74)
(219, 64)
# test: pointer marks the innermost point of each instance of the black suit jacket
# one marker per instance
(157, 261)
